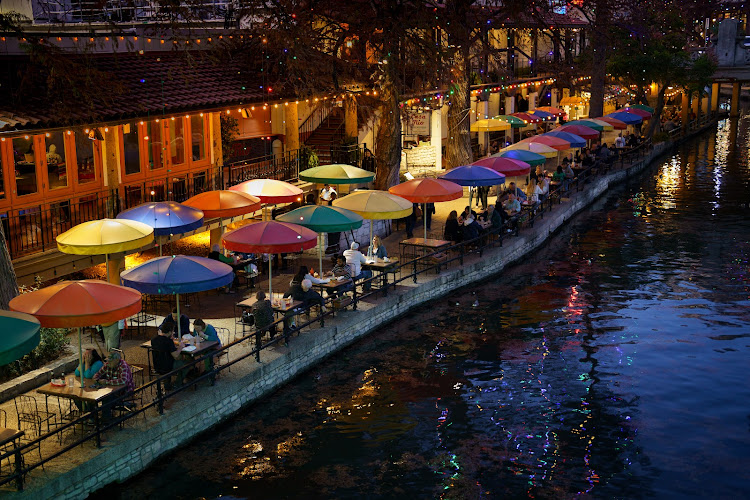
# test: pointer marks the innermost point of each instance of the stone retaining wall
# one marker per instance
(190, 416)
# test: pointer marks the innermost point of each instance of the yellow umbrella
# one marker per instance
(375, 205)
(105, 236)
(534, 147)
(489, 125)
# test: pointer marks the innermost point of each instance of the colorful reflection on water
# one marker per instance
(613, 363)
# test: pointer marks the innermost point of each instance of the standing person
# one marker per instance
(430, 210)
(411, 220)
(166, 355)
(333, 238)
(325, 194)
(111, 333)
(482, 192)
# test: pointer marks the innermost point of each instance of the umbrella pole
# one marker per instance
(424, 218)
(270, 269)
(371, 231)
(320, 254)
(106, 265)
(80, 356)
(179, 322)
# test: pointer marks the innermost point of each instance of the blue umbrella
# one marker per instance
(576, 141)
(626, 117)
(166, 217)
(474, 175)
(178, 274)
(543, 114)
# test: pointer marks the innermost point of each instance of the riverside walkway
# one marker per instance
(73, 466)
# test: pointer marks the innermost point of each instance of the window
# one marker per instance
(131, 150)
(197, 140)
(155, 145)
(177, 141)
(57, 168)
(85, 158)
(24, 158)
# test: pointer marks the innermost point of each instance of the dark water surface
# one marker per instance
(612, 363)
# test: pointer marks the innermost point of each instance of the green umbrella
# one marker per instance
(336, 174)
(588, 123)
(323, 219)
(20, 334)
(643, 107)
(514, 121)
(532, 159)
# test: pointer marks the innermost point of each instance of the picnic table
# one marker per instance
(383, 267)
(194, 350)
(423, 245)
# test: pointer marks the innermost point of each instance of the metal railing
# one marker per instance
(316, 118)
(284, 167)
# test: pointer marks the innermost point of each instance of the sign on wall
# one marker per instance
(418, 123)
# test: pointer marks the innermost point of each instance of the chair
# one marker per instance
(223, 357)
(31, 418)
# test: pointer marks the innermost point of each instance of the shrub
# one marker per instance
(54, 343)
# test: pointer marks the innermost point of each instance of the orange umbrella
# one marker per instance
(69, 304)
(270, 190)
(427, 190)
(224, 203)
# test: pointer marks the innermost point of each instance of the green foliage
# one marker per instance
(230, 129)
(54, 343)
(308, 158)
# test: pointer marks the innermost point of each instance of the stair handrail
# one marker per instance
(313, 121)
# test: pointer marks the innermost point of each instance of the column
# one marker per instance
(436, 136)
(351, 128)
(684, 112)
(217, 156)
(533, 98)
(215, 236)
(116, 264)
(553, 98)
(111, 168)
(510, 105)
(291, 127)
(734, 110)
(697, 108)
(715, 91)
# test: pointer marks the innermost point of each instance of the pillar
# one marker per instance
(436, 137)
(734, 110)
(706, 104)
(217, 155)
(483, 109)
(115, 265)
(351, 128)
(553, 98)
(111, 168)
(291, 127)
(684, 111)
(533, 99)
(715, 91)
(215, 237)
(510, 105)
(696, 103)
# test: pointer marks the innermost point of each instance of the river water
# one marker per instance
(611, 363)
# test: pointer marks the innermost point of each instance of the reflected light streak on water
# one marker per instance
(611, 363)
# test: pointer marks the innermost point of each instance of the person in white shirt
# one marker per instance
(620, 141)
(354, 260)
(533, 192)
(544, 186)
(326, 192)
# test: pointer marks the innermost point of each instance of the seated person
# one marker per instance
(465, 214)
(569, 174)
(452, 228)
(512, 206)
(310, 297)
(115, 372)
(543, 184)
(263, 314)
(170, 322)
(517, 191)
(166, 355)
(205, 331)
(559, 175)
(533, 191)
(604, 152)
(377, 250)
(92, 363)
(495, 217)
(355, 259)
(471, 228)
(341, 270)
(304, 273)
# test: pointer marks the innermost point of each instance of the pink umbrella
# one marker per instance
(635, 111)
(616, 124)
(270, 190)
(505, 166)
(270, 237)
(580, 130)
(548, 140)
(528, 118)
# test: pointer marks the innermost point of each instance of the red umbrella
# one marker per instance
(270, 190)
(616, 124)
(270, 237)
(635, 111)
(506, 166)
(427, 190)
(224, 203)
(527, 117)
(69, 304)
(579, 130)
(551, 141)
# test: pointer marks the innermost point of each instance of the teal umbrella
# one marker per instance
(20, 334)
(336, 174)
(323, 219)
(532, 159)
(643, 107)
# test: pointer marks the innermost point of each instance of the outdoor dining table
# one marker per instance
(279, 307)
(8, 436)
(87, 394)
(200, 348)
(333, 285)
(383, 267)
(427, 245)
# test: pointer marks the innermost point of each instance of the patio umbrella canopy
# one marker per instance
(637, 111)
(105, 236)
(549, 109)
(166, 217)
(625, 117)
(599, 127)
(532, 159)
(534, 147)
(506, 166)
(474, 175)
(337, 174)
(427, 190)
(270, 237)
(574, 140)
(514, 121)
(224, 203)
(270, 190)
(489, 125)
(543, 115)
(581, 131)
(322, 219)
(553, 142)
(375, 205)
(616, 124)
(643, 107)
(527, 117)
(20, 335)
(69, 304)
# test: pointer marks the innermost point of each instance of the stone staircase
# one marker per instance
(331, 130)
